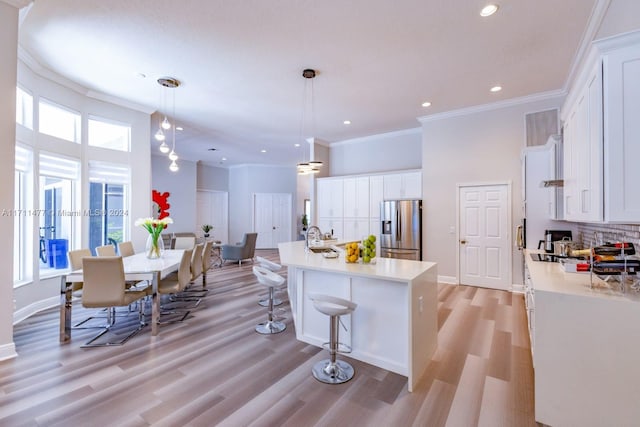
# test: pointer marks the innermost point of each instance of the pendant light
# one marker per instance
(312, 166)
(171, 83)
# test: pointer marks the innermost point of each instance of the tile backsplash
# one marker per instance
(609, 233)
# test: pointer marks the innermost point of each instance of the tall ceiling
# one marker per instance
(240, 63)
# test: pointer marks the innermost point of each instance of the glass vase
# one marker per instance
(154, 247)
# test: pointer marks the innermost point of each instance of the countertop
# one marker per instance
(549, 277)
(400, 270)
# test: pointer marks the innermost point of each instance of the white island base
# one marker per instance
(395, 325)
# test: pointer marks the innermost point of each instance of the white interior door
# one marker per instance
(484, 245)
(272, 219)
(213, 208)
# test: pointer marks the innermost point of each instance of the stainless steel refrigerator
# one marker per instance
(401, 235)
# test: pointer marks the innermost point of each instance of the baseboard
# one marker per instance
(449, 280)
(31, 309)
(8, 351)
(519, 289)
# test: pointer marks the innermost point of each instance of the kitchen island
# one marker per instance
(395, 325)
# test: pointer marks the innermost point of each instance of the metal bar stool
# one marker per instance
(332, 371)
(271, 280)
(269, 265)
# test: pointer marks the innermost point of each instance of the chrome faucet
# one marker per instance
(315, 229)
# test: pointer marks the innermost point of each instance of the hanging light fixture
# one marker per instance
(312, 166)
(171, 83)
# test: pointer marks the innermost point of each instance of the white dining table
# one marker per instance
(136, 268)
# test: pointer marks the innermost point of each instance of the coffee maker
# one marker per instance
(551, 236)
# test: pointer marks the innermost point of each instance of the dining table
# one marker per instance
(137, 267)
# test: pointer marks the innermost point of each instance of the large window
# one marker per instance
(58, 121)
(110, 135)
(24, 108)
(57, 212)
(108, 215)
(23, 215)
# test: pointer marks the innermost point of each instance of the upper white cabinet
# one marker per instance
(406, 185)
(356, 197)
(375, 195)
(622, 134)
(330, 198)
(601, 134)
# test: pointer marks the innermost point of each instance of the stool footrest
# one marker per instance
(342, 348)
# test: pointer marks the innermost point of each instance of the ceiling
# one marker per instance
(240, 63)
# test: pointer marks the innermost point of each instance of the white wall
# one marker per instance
(475, 147)
(212, 178)
(377, 153)
(181, 186)
(246, 180)
(8, 70)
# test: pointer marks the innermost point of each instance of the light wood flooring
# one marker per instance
(213, 369)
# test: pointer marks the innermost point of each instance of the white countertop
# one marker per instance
(549, 277)
(293, 254)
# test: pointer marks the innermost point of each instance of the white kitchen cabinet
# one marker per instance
(355, 228)
(583, 152)
(407, 185)
(601, 134)
(621, 69)
(330, 198)
(356, 197)
(376, 189)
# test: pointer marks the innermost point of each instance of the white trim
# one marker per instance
(8, 351)
(31, 309)
(618, 41)
(120, 102)
(361, 139)
(449, 280)
(517, 289)
(18, 4)
(543, 96)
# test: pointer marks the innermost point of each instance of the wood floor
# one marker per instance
(213, 369)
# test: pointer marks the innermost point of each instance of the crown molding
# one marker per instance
(385, 135)
(120, 102)
(543, 96)
(18, 4)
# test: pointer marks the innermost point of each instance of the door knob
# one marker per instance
(462, 242)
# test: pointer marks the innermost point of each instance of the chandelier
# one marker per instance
(312, 166)
(165, 124)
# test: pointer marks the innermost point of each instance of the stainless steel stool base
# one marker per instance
(265, 302)
(268, 328)
(337, 373)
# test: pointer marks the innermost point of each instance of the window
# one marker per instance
(109, 135)
(58, 121)
(24, 108)
(108, 210)
(57, 215)
(22, 221)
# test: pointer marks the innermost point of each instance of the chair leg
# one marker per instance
(111, 318)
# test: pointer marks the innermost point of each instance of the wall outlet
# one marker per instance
(452, 230)
(420, 304)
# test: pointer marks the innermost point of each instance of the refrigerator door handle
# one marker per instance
(398, 225)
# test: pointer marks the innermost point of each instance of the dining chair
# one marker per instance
(126, 249)
(206, 261)
(106, 250)
(104, 286)
(174, 284)
(184, 242)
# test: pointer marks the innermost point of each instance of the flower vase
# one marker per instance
(154, 247)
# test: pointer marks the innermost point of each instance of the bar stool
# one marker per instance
(269, 265)
(271, 280)
(332, 371)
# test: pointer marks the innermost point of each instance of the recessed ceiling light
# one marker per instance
(296, 145)
(347, 122)
(179, 128)
(224, 158)
(489, 10)
(426, 104)
(140, 75)
(212, 149)
(496, 89)
(263, 151)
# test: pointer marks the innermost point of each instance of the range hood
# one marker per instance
(552, 183)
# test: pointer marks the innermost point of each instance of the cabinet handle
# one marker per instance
(462, 242)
